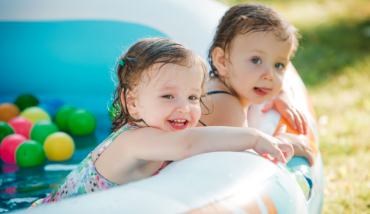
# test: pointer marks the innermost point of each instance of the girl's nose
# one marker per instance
(268, 74)
(183, 107)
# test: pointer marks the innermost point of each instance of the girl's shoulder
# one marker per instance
(225, 109)
(122, 132)
(129, 138)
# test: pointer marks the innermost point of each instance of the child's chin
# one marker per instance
(259, 102)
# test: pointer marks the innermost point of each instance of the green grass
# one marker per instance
(334, 62)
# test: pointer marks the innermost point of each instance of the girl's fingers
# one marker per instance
(298, 121)
(304, 121)
(290, 118)
(279, 155)
(310, 156)
(311, 159)
(282, 129)
(268, 106)
(288, 151)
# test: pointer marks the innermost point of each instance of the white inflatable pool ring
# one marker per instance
(222, 182)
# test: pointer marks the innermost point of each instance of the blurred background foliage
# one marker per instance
(334, 62)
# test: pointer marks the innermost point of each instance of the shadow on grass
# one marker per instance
(325, 51)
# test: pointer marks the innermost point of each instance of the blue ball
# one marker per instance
(51, 106)
(47, 108)
(56, 103)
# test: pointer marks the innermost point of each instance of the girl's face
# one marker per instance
(256, 66)
(170, 99)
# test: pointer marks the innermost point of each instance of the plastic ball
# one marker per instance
(59, 146)
(48, 109)
(42, 129)
(56, 103)
(81, 122)
(21, 126)
(51, 106)
(26, 100)
(62, 115)
(8, 111)
(35, 114)
(8, 147)
(5, 130)
(30, 153)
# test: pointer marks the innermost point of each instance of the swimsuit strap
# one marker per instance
(218, 92)
(163, 165)
(110, 139)
(202, 123)
(214, 92)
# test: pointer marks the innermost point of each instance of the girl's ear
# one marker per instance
(130, 100)
(219, 60)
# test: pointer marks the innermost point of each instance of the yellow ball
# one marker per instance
(35, 114)
(59, 146)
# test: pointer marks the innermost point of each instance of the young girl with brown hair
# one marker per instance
(249, 57)
(158, 99)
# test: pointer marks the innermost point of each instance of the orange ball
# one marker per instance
(8, 111)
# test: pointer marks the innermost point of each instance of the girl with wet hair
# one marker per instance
(158, 104)
(249, 57)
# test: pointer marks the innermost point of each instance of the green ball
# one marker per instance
(42, 129)
(30, 153)
(5, 130)
(26, 100)
(81, 122)
(62, 115)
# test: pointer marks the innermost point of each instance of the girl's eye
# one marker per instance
(256, 61)
(279, 66)
(193, 98)
(167, 96)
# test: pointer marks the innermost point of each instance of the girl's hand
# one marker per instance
(284, 104)
(267, 145)
(301, 147)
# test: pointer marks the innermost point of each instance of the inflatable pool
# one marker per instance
(66, 50)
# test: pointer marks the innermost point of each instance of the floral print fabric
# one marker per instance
(83, 179)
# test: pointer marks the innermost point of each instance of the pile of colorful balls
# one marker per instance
(31, 131)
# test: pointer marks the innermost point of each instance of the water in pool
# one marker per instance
(20, 187)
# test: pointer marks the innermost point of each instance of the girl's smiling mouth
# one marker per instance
(179, 124)
(261, 91)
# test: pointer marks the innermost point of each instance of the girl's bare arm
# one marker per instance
(154, 144)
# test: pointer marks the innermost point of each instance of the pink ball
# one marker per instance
(9, 145)
(21, 126)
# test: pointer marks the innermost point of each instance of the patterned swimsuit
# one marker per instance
(85, 178)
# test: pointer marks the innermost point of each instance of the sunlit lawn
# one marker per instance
(334, 62)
